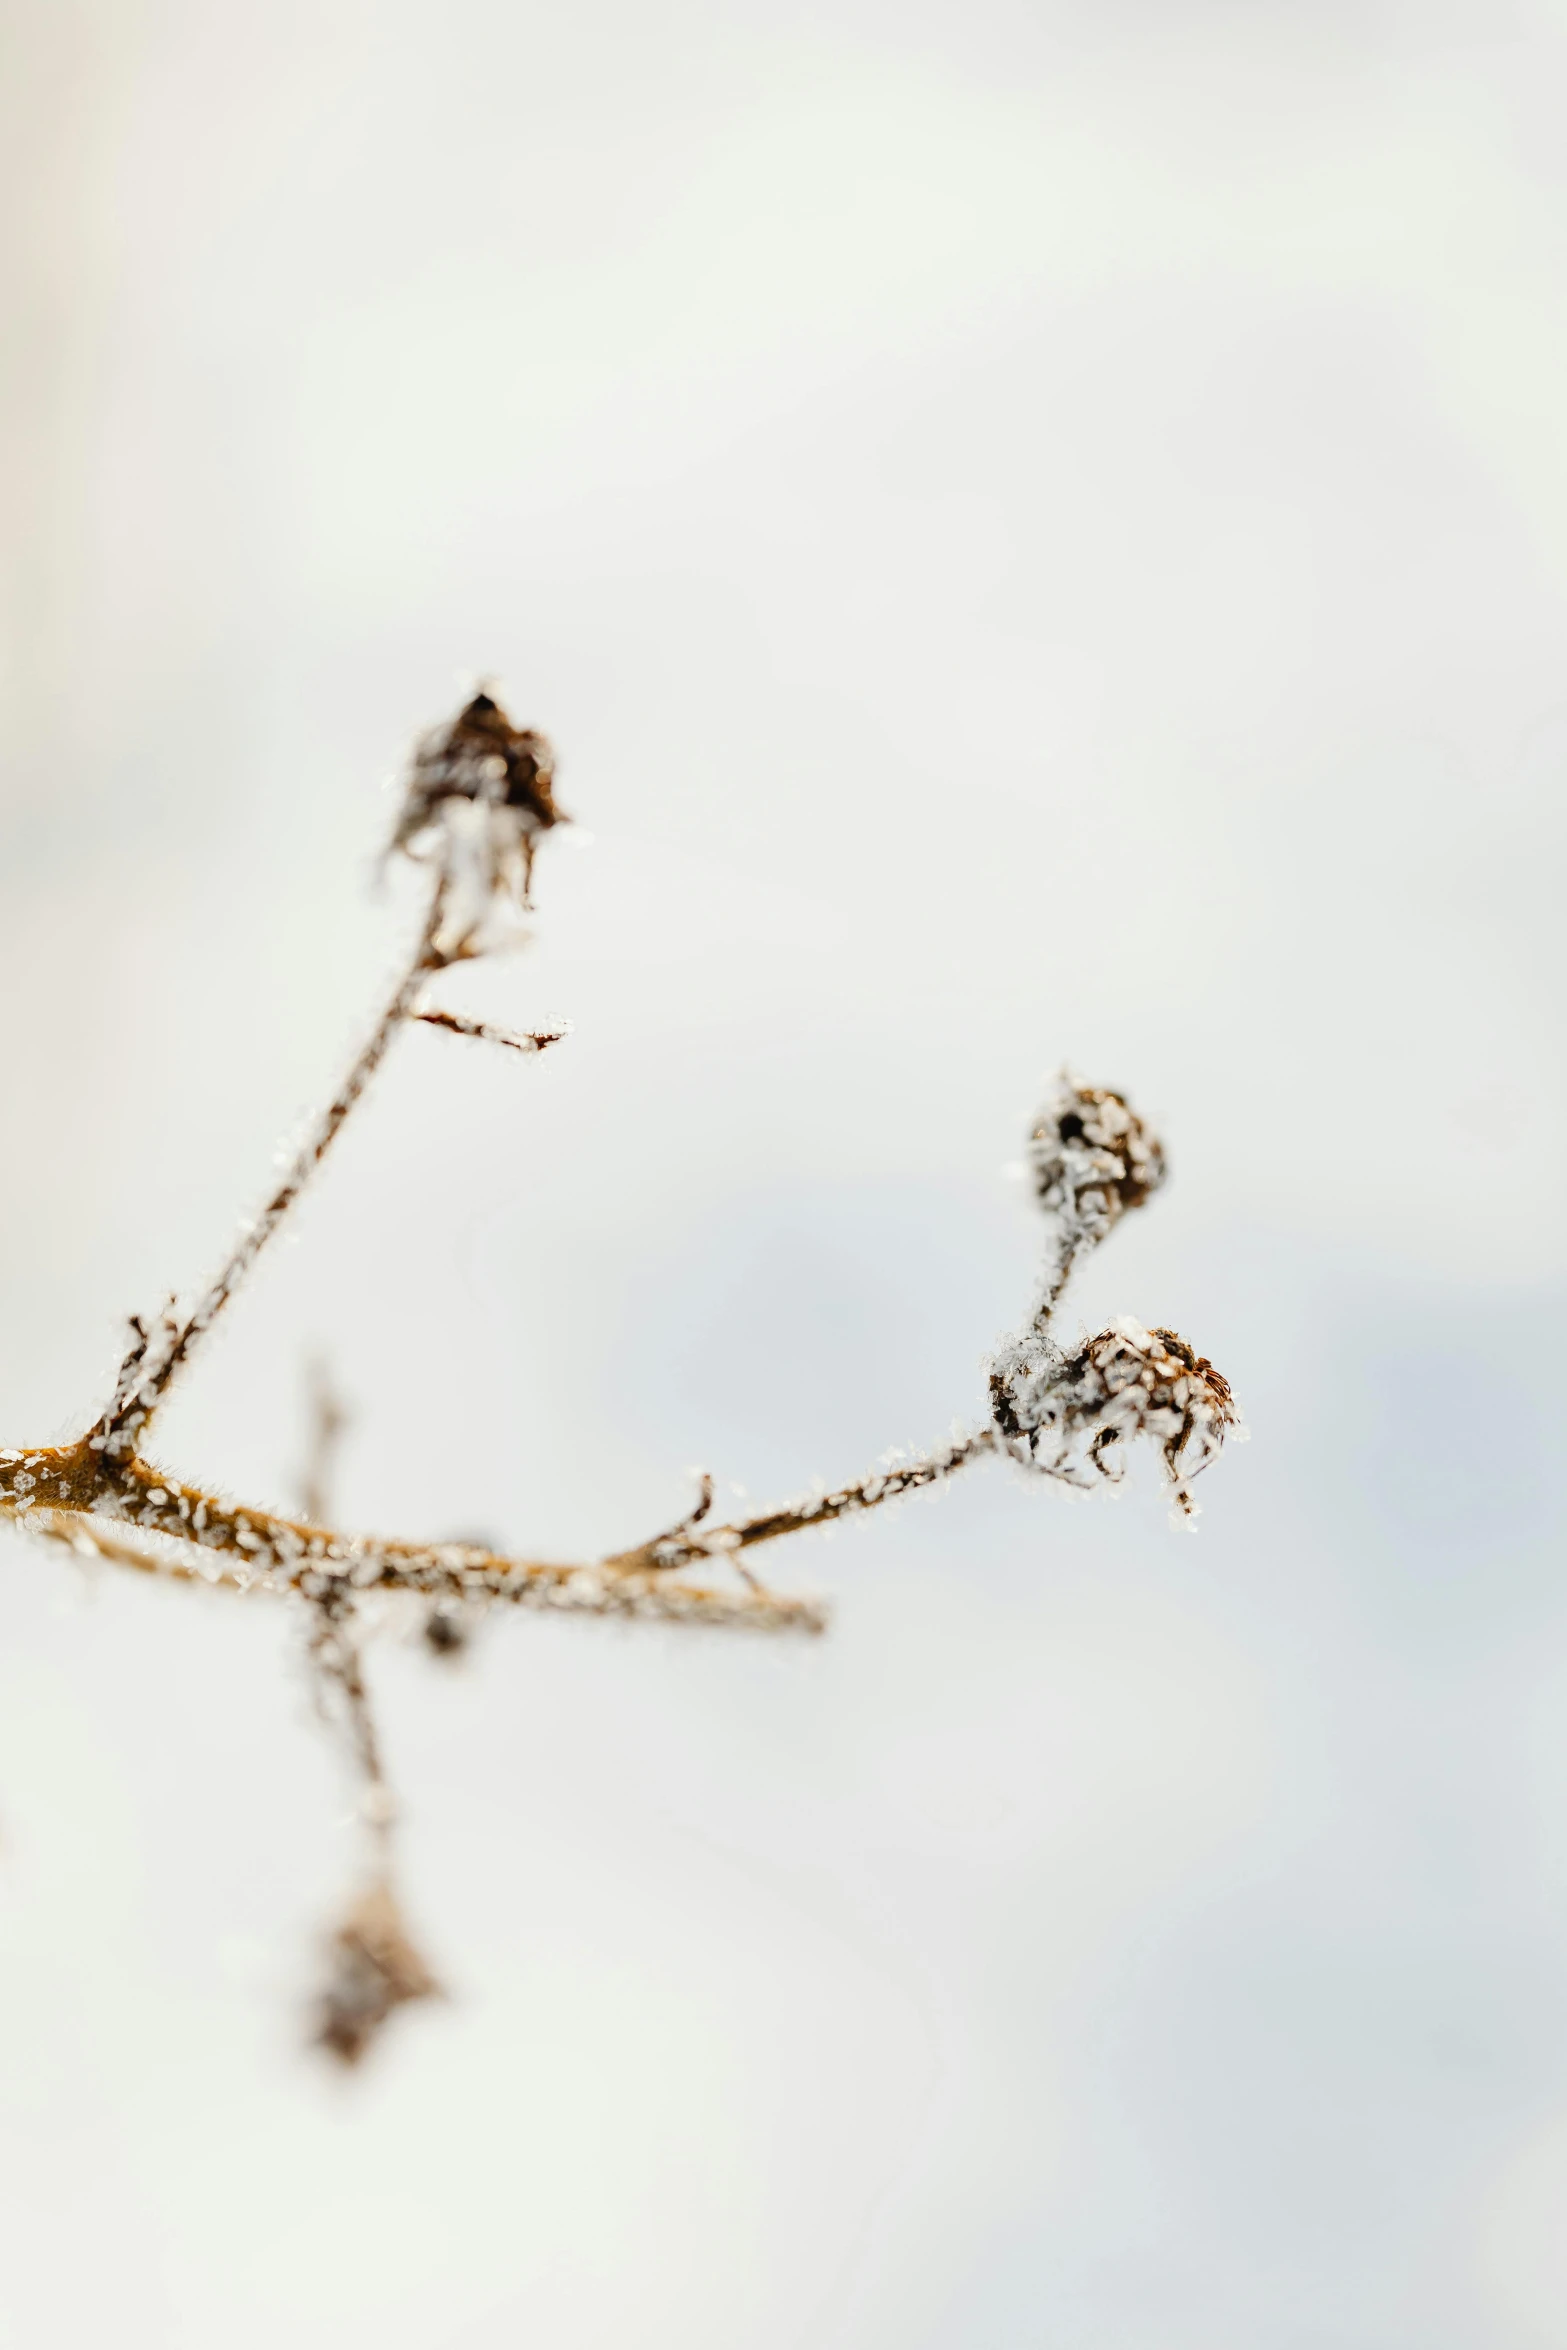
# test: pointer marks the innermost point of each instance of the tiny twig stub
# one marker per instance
(477, 801)
(530, 1040)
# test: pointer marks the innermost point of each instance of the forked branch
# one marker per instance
(477, 800)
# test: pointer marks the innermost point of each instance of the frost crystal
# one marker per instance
(1071, 1416)
(478, 796)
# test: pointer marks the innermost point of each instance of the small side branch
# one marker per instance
(344, 1700)
(691, 1540)
(867, 1493)
(529, 1040)
(1070, 1244)
(329, 1422)
(374, 1966)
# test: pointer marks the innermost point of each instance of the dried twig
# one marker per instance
(329, 1422)
(479, 798)
(530, 1040)
(150, 1367)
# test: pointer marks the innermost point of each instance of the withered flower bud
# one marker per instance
(1071, 1416)
(375, 1969)
(447, 1631)
(1091, 1158)
(478, 797)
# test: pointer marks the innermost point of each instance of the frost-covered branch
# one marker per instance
(890, 1480)
(256, 1549)
(478, 798)
(529, 1040)
(156, 1356)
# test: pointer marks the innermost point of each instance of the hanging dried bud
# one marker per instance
(478, 797)
(375, 1968)
(448, 1630)
(1072, 1416)
(1091, 1158)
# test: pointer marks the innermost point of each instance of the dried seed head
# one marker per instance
(375, 1968)
(1091, 1158)
(479, 795)
(1072, 1416)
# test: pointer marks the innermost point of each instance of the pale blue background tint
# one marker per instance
(1040, 534)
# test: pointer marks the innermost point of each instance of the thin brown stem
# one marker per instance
(685, 1543)
(338, 1661)
(866, 1493)
(154, 1361)
(529, 1040)
(329, 1420)
(1072, 1243)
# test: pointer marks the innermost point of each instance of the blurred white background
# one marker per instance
(1040, 532)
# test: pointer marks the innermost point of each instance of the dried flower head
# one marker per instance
(1091, 1158)
(1072, 1416)
(375, 1969)
(478, 796)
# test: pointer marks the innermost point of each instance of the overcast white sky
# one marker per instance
(1039, 533)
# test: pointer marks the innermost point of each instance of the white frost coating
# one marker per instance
(1072, 1416)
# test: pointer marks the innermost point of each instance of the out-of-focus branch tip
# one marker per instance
(330, 1420)
(447, 1631)
(374, 1969)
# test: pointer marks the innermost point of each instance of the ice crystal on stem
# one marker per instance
(478, 798)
